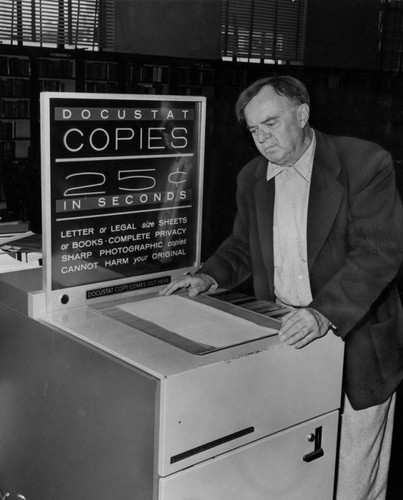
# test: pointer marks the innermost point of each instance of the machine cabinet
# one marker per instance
(290, 465)
(92, 407)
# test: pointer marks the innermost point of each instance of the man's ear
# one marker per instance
(303, 115)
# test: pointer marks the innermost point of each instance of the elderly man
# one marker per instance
(319, 226)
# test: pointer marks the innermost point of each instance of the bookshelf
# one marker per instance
(101, 76)
(56, 75)
(197, 79)
(15, 127)
(153, 79)
(15, 107)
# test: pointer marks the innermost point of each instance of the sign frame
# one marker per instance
(66, 296)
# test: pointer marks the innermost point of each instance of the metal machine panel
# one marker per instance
(74, 422)
(246, 398)
(281, 467)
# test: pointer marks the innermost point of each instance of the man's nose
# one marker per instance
(262, 134)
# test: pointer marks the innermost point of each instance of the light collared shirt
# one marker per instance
(291, 277)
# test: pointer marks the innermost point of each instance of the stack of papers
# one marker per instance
(20, 251)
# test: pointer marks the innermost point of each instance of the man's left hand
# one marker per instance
(301, 326)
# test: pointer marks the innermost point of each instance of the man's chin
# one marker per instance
(273, 158)
(271, 154)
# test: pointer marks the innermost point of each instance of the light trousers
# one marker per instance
(364, 453)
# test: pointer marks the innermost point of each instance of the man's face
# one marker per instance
(277, 126)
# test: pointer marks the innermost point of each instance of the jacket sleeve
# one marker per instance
(375, 247)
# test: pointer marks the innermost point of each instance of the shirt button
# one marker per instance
(300, 276)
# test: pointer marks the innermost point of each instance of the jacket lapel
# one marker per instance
(324, 197)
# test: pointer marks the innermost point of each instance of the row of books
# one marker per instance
(157, 74)
(14, 108)
(105, 87)
(15, 66)
(52, 85)
(14, 87)
(102, 71)
(56, 68)
(196, 75)
(7, 150)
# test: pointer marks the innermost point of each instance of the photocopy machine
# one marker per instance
(109, 390)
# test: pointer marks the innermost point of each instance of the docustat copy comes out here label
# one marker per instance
(124, 188)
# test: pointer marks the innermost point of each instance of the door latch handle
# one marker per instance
(318, 450)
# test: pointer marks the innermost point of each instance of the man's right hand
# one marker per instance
(196, 283)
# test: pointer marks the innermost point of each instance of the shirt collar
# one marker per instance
(303, 166)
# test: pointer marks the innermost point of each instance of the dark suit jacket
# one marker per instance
(355, 248)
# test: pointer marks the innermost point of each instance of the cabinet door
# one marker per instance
(297, 463)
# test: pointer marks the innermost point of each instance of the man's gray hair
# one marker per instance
(286, 86)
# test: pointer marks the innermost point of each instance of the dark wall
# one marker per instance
(180, 28)
(342, 33)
